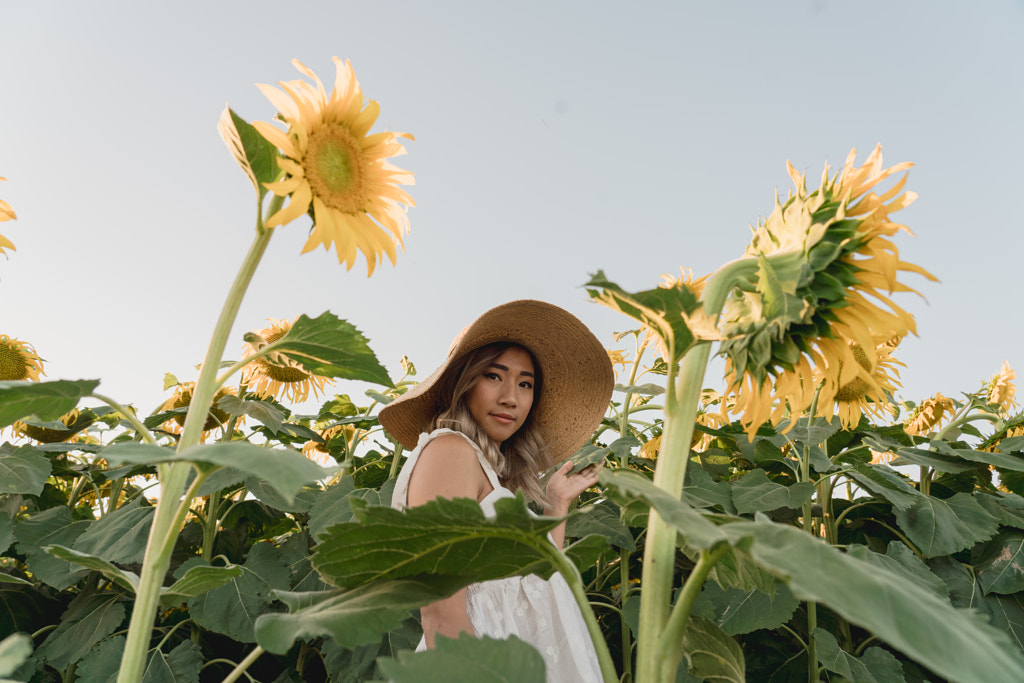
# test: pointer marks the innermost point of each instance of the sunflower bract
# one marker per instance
(335, 170)
(826, 268)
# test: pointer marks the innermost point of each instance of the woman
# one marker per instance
(523, 388)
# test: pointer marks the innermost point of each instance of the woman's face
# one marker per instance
(501, 399)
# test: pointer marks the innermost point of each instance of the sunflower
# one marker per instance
(332, 165)
(825, 270)
(320, 451)
(1001, 390)
(74, 422)
(6, 214)
(929, 415)
(277, 377)
(869, 391)
(18, 360)
(182, 398)
(617, 357)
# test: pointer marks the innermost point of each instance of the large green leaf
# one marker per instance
(877, 665)
(1000, 564)
(359, 664)
(44, 400)
(352, 617)
(887, 483)
(125, 579)
(937, 461)
(736, 570)
(740, 611)
(701, 491)
(89, 619)
(6, 532)
(284, 470)
(50, 527)
(699, 533)
(662, 309)
(481, 660)
(954, 643)
(900, 559)
(446, 537)
(713, 656)
(252, 151)
(943, 527)
(1005, 612)
(24, 471)
(1014, 463)
(14, 650)
(755, 492)
(119, 536)
(233, 608)
(602, 519)
(329, 347)
(181, 665)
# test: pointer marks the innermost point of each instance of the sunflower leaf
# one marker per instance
(712, 654)
(484, 660)
(953, 643)
(352, 617)
(330, 347)
(284, 470)
(24, 471)
(44, 400)
(442, 537)
(662, 309)
(252, 151)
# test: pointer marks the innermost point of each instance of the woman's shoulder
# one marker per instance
(446, 443)
(448, 467)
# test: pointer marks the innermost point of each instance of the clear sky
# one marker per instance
(553, 139)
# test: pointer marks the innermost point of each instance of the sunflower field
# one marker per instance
(798, 523)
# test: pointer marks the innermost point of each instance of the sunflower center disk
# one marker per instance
(333, 168)
(282, 373)
(12, 364)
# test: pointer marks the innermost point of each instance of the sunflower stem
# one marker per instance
(171, 509)
(682, 398)
(129, 416)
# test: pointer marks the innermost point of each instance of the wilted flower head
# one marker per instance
(18, 360)
(320, 451)
(870, 390)
(74, 422)
(276, 376)
(929, 415)
(182, 398)
(825, 270)
(335, 170)
(1001, 390)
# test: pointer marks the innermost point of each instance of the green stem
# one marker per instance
(812, 644)
(237, 672)
(681, 403)
(163, 532)
(129, 416)
(575, 581)
(669, 646)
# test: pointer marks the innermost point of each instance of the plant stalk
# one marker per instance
(572, 577)
(164, 532)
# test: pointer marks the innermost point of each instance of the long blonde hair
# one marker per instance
(519, 460)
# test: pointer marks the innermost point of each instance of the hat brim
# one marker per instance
(577, 376)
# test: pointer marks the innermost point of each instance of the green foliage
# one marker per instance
(43, 400)
(482, 660)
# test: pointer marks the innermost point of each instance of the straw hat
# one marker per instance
(576, 376)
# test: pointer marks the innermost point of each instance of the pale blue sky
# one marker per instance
(552, 140)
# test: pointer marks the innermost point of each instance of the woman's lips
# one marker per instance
(503, 418)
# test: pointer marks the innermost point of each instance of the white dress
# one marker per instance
(541, 613)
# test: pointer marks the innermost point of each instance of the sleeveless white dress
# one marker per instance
(541, 613)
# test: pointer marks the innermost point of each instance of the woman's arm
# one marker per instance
(447, 468)
(563, 488)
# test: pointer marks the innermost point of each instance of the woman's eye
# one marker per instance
(526, 385)
(491, 375)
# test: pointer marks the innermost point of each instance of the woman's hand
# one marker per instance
(563, 488)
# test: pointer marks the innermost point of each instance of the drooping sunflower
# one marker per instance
(18, 360)
(182, 398)
(825, 271)
(1001, 390)
(929, 415)
(870, 391)
(321, 452)
(335, 170)
(276, 376)
(6, 214)
(74, 422)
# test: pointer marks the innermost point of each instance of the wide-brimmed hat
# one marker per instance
(576, 376)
